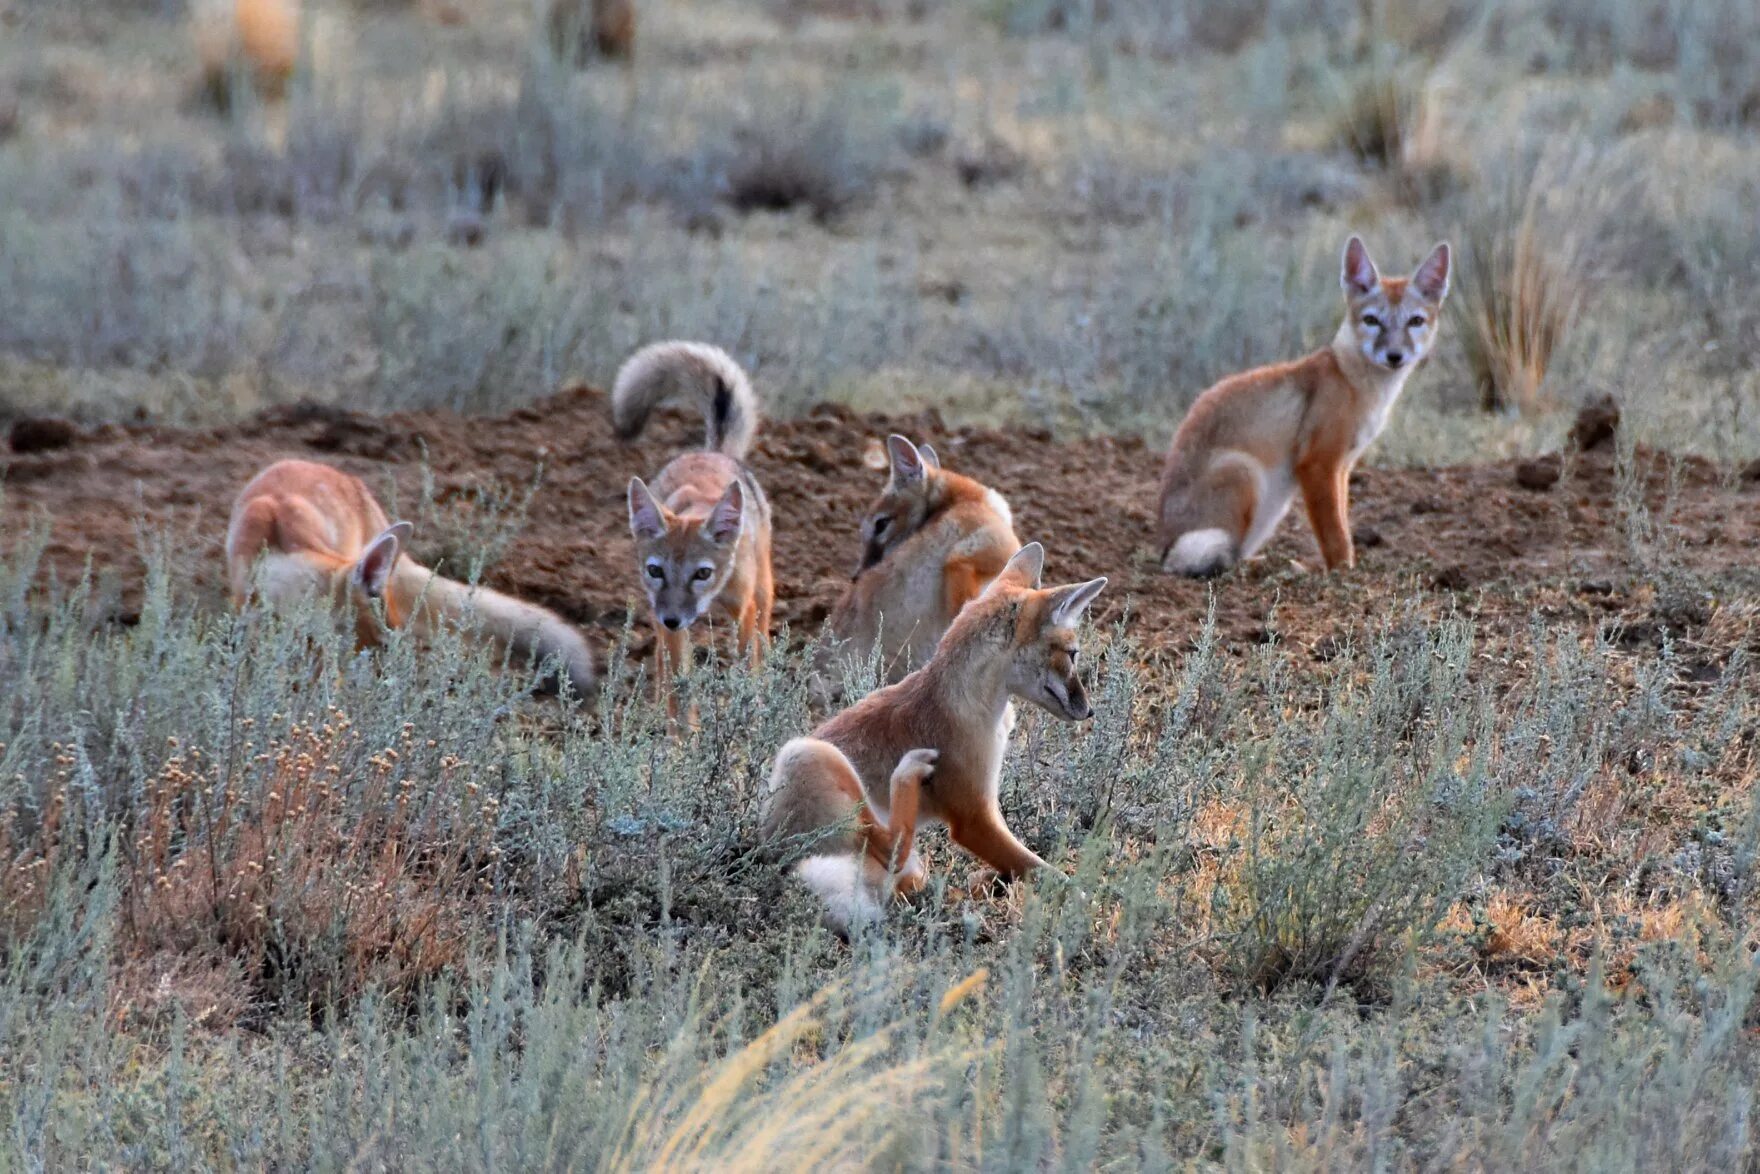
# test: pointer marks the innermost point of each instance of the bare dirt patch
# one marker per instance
(1471, 539)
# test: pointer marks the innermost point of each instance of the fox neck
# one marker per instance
(1370, 380)
(971, 685)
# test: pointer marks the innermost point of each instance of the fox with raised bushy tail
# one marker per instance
(931, 542)
(929, 749)
(301, 530)
(1250, 442)
(702, 529)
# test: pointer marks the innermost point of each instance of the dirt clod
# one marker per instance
(1540, 473)
(1596, 423)
(30, 434)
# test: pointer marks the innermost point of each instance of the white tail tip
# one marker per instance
(841, 883)
(1201, 552)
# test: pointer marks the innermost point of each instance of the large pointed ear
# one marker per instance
(907, 463)
(645, 517)
(372, 570)
(1068, 603)
(1431, 278)
(1358, 277)
(723, 523)
(1023, 570)
(929, 457)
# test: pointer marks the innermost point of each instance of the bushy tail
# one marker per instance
(697, 371)
(532, 634)
(847, 886)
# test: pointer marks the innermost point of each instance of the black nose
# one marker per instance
(1395, 358)
(671, 622)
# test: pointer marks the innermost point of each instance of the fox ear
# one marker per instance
(1431, 278)
(1359, 276)
(874, 455)
(645, 519)
(929, 457)
(908, 467)
(1023, 570)
(372, 570)
(1068, 603)
(723, 523)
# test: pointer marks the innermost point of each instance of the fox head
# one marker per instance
(369, 580)
(685, 562)
(902, 506)
(1039, 629)
(1393, 320)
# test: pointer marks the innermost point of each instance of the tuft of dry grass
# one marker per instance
(1527, 266)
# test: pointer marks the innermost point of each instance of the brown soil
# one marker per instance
(1470, 539)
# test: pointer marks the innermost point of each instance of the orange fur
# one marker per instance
(702, 530)
(944, 538)
(1014, 640)
(302, 530)
(1252, 441)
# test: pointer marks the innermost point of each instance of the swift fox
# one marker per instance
(930, 543)
(1252, 440)
(929, 749)
(320, 533)
(702, 531)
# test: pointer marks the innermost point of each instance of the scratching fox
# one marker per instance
(930, 748)
(931, 542)
(702, 531)
(1250, 442)
(319, 533)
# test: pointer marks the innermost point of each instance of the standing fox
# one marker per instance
(931, 542)
(1252, 440)
(929, 749)
(320, 534)
(702, 532)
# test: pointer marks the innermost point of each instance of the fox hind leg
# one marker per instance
(1205, 530)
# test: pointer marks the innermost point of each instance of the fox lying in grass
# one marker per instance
(931, 542)
(702, 532)
(930, 748)
(1252, 440)
(319, 534)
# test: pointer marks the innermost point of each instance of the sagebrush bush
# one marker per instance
(453, 912)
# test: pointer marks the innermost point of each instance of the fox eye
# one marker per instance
(880, 525)
(1371, 320)
(1415, 321)
(654, 571)
(703, 574)
(1074, 655)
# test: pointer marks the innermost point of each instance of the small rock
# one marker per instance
(1595, 587)
(1596, 423)
(1539, 474)
(41, 433)
(1368, 537)
(1427, 505)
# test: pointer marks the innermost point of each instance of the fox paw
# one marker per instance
(915, 766)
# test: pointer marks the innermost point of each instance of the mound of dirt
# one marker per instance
(1468, 539)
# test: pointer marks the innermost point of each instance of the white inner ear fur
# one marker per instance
(1069, 609)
